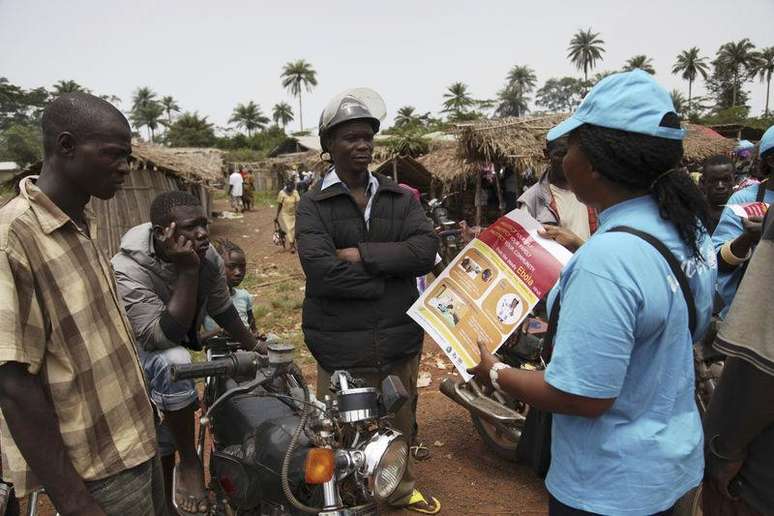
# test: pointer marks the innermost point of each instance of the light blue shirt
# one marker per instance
(332, 178)
(623, 333)
(243, 302)
(730, 227)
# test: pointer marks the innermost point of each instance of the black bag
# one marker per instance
(534, 447)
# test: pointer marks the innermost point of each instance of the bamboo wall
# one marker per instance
(131, 205)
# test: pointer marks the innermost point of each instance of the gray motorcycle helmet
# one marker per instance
(355, 104)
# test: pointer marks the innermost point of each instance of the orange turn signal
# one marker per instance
(319, 466)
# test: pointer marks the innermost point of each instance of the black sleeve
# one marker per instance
(326, 275)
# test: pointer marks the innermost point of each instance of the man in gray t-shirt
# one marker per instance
(169, 278)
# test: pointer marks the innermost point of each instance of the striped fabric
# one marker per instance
(60, 314)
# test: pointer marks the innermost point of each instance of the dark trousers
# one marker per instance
(557, 508)
(138, 491)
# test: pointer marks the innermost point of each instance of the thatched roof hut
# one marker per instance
(155, 169)
(520, 141)
(702, 142)
(515, 141)
(195, 165)
(408, 170)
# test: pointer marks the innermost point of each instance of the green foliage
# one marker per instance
(249, 117)
(20, 106)
(729, 115)
(62, 87)
(737, 60)
(146, 110)
(190, 130)
(513, 99)
(282, 114)
(725, 88)
(409, 143)
(458, 101)
(251, 148)
(679, 102)
(764, 68)
(585, 50)
(641, 62)
(298, 75)
(22, 143)
(407, 119)
(170, 106)
(561, 95)
(691, 65)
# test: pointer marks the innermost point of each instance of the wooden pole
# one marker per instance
(478, 198)
(395, 169)
(500, 200)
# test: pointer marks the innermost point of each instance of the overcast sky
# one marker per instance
(211, 55)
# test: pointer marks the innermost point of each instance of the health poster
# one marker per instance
(489, 288)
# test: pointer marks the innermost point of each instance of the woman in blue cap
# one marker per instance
(735, 237)
(626, 435)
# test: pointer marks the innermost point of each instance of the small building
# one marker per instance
(8, 169)
(296, 145)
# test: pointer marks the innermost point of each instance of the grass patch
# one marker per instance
(265, 199)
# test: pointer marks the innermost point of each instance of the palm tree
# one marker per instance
(739, 58)
(523, 77)
(678, 101)
(513, 102)
(248, 117)
(642, 62)
(170, 105)
(689, 64)
(458, 99)
(764, 68)
(585, 50)
(406, 116)
(146, 110)
(298, 75)
(62, 87)
(282, 113)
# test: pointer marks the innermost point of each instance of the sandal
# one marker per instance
(418, 503)
(420, 452)
(202, 502)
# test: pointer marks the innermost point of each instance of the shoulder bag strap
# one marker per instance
(761, 192)
(677, 270)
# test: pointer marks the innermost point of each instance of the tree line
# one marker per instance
(162, 120)
(735, 64)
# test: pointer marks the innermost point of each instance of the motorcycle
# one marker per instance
(498, 418)
(276, 450)
(447, 230)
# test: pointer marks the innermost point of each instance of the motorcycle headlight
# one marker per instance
(386, 459)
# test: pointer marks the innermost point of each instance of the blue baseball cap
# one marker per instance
(629, 101)
(767, 141)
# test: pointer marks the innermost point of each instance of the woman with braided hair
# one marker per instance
(626, 434)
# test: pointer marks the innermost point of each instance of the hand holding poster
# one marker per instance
(489, 288)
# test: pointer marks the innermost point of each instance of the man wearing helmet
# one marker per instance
(362, 240)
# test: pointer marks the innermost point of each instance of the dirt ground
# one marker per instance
(462, 473)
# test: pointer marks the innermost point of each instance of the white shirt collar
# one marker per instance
(332, 178)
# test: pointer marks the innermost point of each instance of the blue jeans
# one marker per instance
(167, 395)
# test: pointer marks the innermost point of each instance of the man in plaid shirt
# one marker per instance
(77, 419)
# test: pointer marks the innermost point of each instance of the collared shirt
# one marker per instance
(332, 178)
(61, 316)
(623, 333)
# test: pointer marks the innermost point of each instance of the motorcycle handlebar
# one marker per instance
(242, 363)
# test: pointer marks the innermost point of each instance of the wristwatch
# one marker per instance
(494, 375)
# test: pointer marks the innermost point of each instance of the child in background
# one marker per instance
(235, 263)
